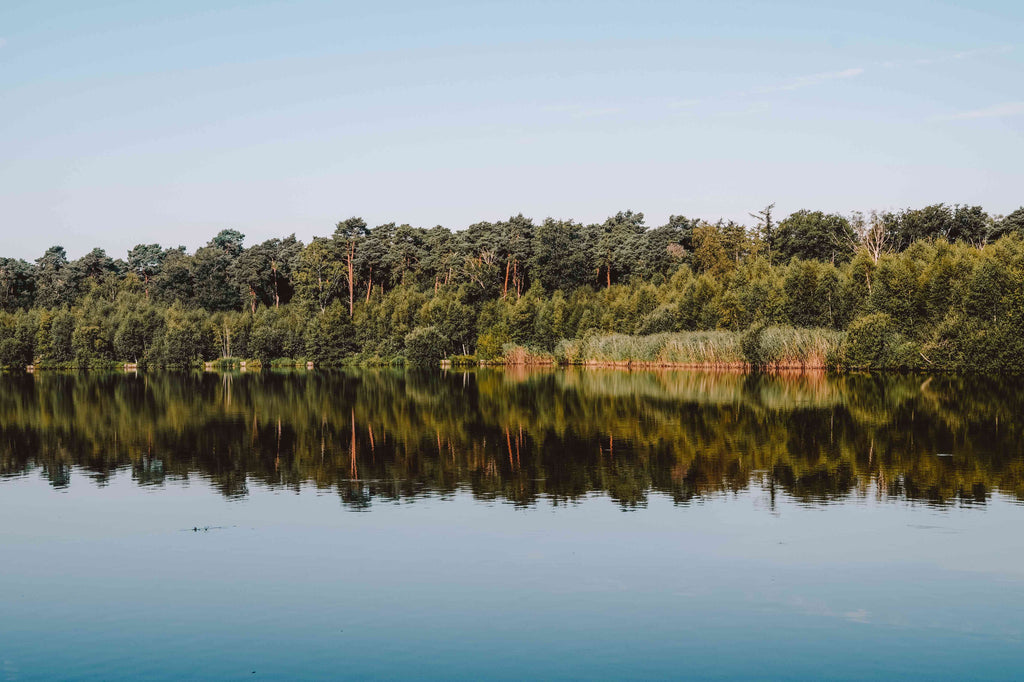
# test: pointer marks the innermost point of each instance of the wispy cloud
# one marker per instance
(808, 81)
(997, 111)
(736, 98)
(794, 83)
(3, 41)
(948, 57)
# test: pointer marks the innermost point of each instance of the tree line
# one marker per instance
(937, 286)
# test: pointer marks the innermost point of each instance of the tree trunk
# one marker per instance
(351, 279)
(277, 299)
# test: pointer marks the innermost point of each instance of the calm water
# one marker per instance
(510, 525)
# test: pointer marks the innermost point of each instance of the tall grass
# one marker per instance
(769, 348)
(513, 354)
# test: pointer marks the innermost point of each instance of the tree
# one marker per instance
(440, 258)
(766, 229)
(174, 281)
(131, 338)
(812, 293)
(957, 223)
(187, 338)
(17, 284)
(330, 336)
(91, 270)
(813, 235)
(371, 260)
(481, 244)
(874, 234)
(405, 252)
(720, 247)
(348, 234)
(318, 272)
(557, 260)
(212, 271)
(1011, 224)
(616, 250)
(666, 247)
(283, 253)
(145, 261)
(970, 224)
(51, 282)
(515, 245)
(254, 277)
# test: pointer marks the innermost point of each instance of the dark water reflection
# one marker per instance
(520, 436)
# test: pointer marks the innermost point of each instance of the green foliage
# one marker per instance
(187, 338)
(683, 435)
(815, 235)
(768, 296)
(330, 336)
(870, 342)
(426, 346)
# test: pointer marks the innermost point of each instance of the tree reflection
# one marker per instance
(520, 435)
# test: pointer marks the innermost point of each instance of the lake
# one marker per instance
(510, 524)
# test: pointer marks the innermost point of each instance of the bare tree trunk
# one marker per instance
(277, 298)
(351, 279)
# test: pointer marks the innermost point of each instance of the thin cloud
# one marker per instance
(946, 58)
(997, 111)
(794, 83)
(3, 41)
(808, 81)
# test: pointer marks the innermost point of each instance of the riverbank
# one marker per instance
(873, 342)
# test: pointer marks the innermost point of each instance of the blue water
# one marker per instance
(109, 580)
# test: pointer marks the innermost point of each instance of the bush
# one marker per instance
(14, 354)
(425, 346)
(490, 344)
(330, 336)
(869, 342)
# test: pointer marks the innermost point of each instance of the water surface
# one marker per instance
(510, 524)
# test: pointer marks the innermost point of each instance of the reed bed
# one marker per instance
(768, 348)
(521, 355)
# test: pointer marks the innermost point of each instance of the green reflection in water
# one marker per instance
(518, 435)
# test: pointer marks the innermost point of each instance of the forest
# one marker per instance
(940, 287)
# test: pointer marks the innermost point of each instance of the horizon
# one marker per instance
(128, 124)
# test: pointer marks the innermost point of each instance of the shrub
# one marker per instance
(869, 341)
(425, 346)
(490, 344)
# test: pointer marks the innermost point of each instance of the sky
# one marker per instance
(139, 122)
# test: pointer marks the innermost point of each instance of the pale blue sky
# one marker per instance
(128, 122)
